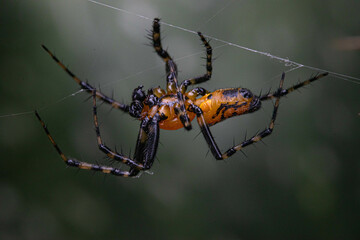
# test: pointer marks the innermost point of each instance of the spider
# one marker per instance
(174, 108)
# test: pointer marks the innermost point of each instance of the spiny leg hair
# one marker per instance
(211, 141)
(86, 86)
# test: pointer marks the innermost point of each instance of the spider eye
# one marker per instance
(246, 93)
(138, 94)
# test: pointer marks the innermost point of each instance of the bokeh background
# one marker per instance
(304, 182)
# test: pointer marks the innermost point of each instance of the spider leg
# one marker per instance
(105, 149)
(256, 138)
(284, 92)
(170, 65)
(171, 74)
(148, 141)
(84, 165)
(193, 93)
(208, 73)
(86, 86)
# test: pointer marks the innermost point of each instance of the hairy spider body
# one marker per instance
(175, 108)
(216, 106)
(167, 108)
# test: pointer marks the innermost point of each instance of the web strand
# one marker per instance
(43, 107)
(104, 85)
(16, 114)
(286, 61)
(157, 66)
(217, 13)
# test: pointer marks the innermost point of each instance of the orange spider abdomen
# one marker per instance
(216, 107)
(225, 103)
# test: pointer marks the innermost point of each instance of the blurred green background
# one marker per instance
(304, 182)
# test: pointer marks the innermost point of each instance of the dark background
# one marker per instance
(304, 182)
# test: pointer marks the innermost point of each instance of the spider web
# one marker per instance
(293, 65)
(286, 61)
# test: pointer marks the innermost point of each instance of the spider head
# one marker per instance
(137, 105)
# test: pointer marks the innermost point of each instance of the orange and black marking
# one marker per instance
(174, 108)
(226, 103)
(156, 39)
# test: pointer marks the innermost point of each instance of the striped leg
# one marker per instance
(208, 73)
(171, 74)
(211, 141)
(85, 165)
(194, 93)
(170, 65)
(147, 143)
(105, 149)
(284, 92)
(86, 86)
(148, 140)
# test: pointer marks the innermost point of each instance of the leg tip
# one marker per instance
(37, 114)
(44, 47)
(283, 75)
(188, 128)
(324, 74)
